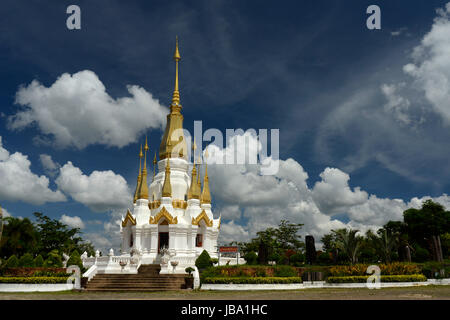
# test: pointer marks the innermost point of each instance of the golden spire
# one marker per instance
(206, 195)
(143, 188)
(167, 188)
(139, 177)
(176, 93)
(154, 166)
(194, 191)
(173, 134)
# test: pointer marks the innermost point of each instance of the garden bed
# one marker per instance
(251, 280)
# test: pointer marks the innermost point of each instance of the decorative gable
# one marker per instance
(202, 216)
(163, 214)
(128, 218)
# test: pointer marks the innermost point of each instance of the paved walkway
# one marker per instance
(427, 293)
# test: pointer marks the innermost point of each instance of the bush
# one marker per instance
(432, 269)
(390, 278)
(420, 254)
(75, 259)
(274, 257)
(324, 258)
(297, 258)
(251, 258)
(189, 270)
(285, 271)
(33, 279)
(12, 262)
(26, 260)
(38, 261)
(252, 280)
(203, 261)
(54, 260)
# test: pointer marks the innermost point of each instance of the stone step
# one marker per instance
(136, 287)
(137, 283)
(134, 290)
(130, 285)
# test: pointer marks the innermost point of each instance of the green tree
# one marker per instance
(26, 260)
(75, 259)
(203, 261)
(53, 260)
(38, 261)
(12, 262)
(329, 244)
(19, 237)
(251, 258)
(385, 243)
(349, 243)
(55, 235)
(428, 223)
(275, 241)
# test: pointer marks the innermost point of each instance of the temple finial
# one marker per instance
(167, 187)
(143, 189)
(176, 92)
(136, 192)
(154, 166)
(206, 194)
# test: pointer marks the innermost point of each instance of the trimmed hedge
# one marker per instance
(33, 280)
(255, 280)
(390, 278)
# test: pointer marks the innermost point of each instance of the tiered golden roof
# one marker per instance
(173, 143)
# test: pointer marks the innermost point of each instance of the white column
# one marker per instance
(153, 239)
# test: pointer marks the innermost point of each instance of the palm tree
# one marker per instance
(385, 243)
(349, 243)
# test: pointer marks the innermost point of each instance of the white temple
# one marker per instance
(171, 222)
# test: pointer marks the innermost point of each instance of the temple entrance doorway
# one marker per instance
(163, 235)
(163, 240)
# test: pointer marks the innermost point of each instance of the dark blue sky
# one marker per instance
(245, 64)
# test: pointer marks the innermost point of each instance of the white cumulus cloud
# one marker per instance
(431, 66)
(50, 167)
(77, 111)
(73, 222)
(18, 183)
(263, 201)
(100, 191)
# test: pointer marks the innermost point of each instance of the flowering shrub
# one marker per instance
(252, 271)
(390, 278)
(395, 268)
(254, 280)
(34, 272)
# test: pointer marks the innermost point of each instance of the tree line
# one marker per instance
(423, 235)
(46, 237)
